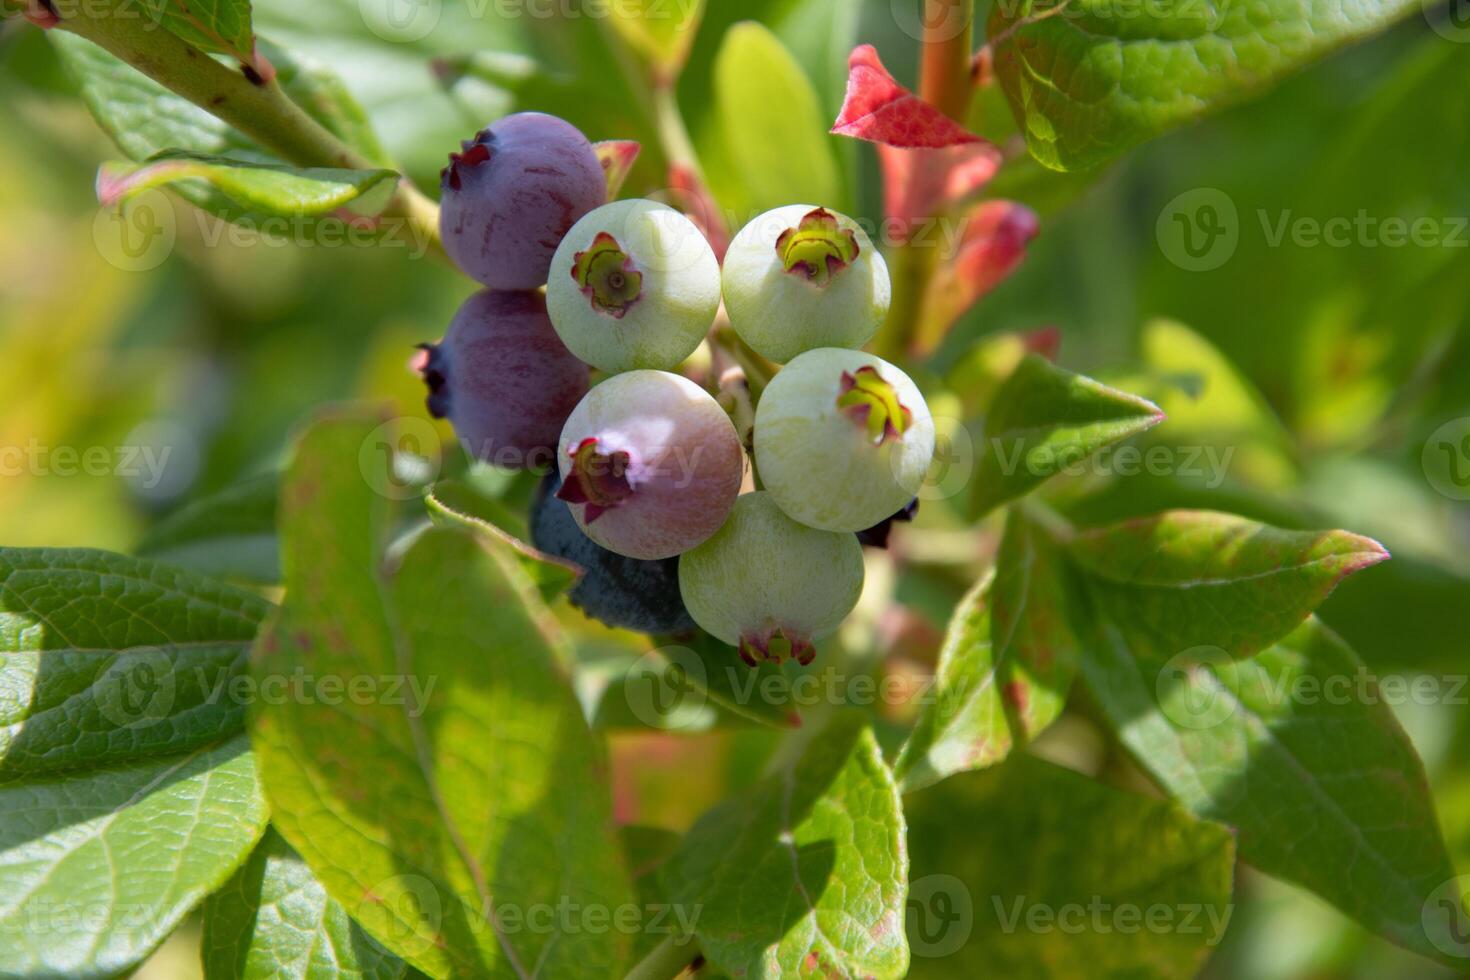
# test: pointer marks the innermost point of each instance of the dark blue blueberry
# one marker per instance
(619, 591)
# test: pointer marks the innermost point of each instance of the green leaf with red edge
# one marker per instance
(1088, 79)
(804, 874)
(469, 790)
(1045, 419)
(262, 187)
(880, 110)
(1187, 579)
(617, 158)
(1325, 791)
(1006, 666)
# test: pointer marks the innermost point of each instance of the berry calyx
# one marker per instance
(818, 248)
(607, 276)
(597, 479)
(634, 285)
(843, 439)
(802, 277)
(473, 155)
(775, 646)
(873, 403)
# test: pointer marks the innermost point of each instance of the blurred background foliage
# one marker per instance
(1325, 368)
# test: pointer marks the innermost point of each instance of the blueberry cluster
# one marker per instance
(646, 492)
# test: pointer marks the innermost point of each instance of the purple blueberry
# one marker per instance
(626, 592)
(511, 195)
(504, 379)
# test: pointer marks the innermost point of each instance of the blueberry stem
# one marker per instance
(944, 69)
(259, 108)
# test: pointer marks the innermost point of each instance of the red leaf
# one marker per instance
(880, 110)
(992, 245)
(923, 183)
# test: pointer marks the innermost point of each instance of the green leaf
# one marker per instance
(645, 849)
(97, 866)
(106, 659)
(274, 920)
(230, 534)
(1297, 750)
(144, 119)
(470, 793)
(659, 30)
(774, 128)
(219, 26)
(804, 874)
(1007, 663)
(452, 503)
(1187, 579)
(1045, 419)
(1088, 79)
(1030, 870)
(268, 188)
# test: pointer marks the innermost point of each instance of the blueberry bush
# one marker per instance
(644, 521)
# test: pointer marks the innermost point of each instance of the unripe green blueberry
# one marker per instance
(842, 439)
(634, 284)
(768, 585)
(802, 277)
(650, 464)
